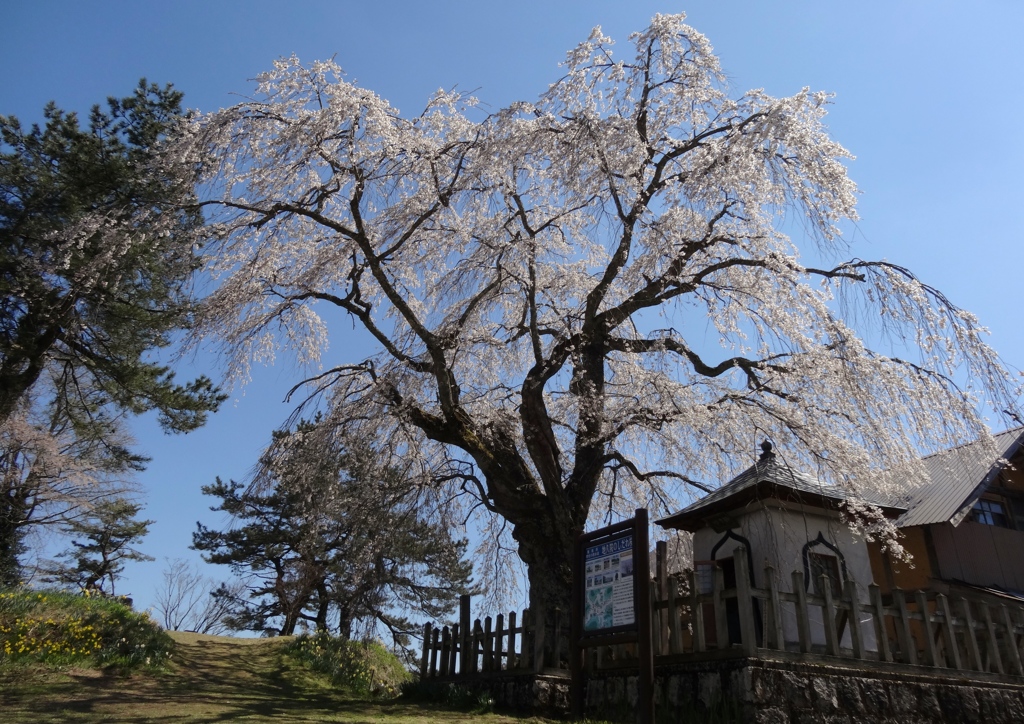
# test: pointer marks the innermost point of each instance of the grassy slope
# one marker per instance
(212, 679)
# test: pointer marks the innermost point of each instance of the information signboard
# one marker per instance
(608, 586)
(611, 604)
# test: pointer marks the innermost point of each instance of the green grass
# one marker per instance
(210, 679)
(362, 669)
(56, 628)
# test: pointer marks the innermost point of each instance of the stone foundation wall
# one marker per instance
(769, 692)
(780, 692)
(540, 694)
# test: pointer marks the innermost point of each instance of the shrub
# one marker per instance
(57, 628)
(363, 668)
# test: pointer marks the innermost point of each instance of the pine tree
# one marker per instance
(97, 253)
(108, 534)
(333, 538)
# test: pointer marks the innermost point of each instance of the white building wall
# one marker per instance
(777, 538)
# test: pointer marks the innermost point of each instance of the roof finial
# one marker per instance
(766, 451)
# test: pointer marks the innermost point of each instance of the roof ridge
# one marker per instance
(1018, 429)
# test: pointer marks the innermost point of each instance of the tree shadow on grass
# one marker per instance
(211, 681)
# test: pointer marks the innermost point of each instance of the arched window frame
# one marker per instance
(820, 541)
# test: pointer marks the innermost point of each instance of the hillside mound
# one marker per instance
(209, 679)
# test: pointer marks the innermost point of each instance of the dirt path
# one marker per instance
(213, 679)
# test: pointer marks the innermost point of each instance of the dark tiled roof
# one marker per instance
(957, 478)
(768, 477)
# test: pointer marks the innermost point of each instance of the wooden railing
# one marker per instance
(507, 644)
(912, 627)
(907, 627)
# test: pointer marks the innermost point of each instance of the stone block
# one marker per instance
(928, 704)
(672, 690)
(902, 698)
(709, 688)
(741, 685)
(848, 693)
(1013, 705)
(958, 704)
(824, 692)
(794, 688)
(771, 715)
(875, 697)
(765, 686)
(990, 705)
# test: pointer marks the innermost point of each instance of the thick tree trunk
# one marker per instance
(13, 514)
(323, 606)
(344, 622)
(20, 371)
(545, 546)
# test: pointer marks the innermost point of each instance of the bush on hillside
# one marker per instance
(363, 668)
(58, 628)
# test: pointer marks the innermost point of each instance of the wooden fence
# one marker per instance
(909, 627)
(511, 644)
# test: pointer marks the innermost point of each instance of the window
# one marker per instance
(823, 564)
(704, 573)
(990, 512)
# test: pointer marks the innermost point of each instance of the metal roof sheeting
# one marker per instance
(957, 478)
(768, 470)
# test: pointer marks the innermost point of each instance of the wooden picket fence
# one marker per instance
(510, 644)
(920, 628)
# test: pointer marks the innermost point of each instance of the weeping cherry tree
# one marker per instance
(584, 303)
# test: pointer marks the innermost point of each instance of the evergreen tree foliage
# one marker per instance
(97, 253)
(106, 537)
(333, 539)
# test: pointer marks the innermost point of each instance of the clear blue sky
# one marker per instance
(929, 97)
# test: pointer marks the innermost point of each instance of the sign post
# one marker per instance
(611, 603)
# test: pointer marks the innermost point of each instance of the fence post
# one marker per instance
(929, 643)
(828, 618)
(488, 645)
(948, 633)
(993, 646)
(1011, 641)
(721, 622)
(513, 658)
(456, 651)
(675, 634)
(1015, 654)
(907, 645)
(499, 642)
(776, 635)
(426, 649)
(656, 617)
(661, 624)
(446, 650)
(970, 637)
(464, 634)
(435, 651)
(803, 626)
(475, 645)
(748, 636)
(881, 630)
(696, 615)
(854, 618)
